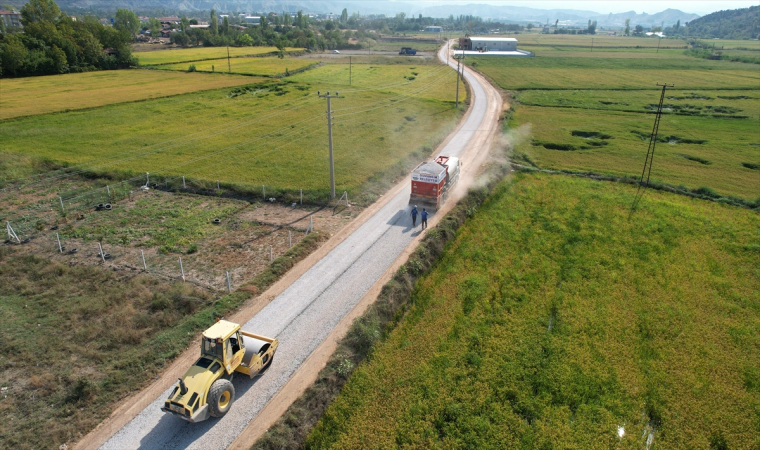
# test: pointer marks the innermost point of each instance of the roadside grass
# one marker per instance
(69, 92)
(180, 55)
(76, 340)
(265, 67)
(553, 319)
(269, 134)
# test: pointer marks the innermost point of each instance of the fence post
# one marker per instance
(271, 258)
(181, 269)
(102, 256)
(290, 239)
(145, 266)
(217, 186)
(301, 197)
(109, 191)
(229, 285)
(61, 200)
(263, 192)
(183, 182)
(60, 249)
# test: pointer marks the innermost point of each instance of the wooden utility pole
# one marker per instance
(229, 67)
(329, 135)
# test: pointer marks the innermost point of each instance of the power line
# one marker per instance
(647, 170)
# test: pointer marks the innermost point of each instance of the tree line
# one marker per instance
(54, 43)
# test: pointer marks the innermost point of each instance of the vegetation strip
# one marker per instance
(291, 430)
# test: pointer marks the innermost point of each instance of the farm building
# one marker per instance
(433, 29)
(488, 44)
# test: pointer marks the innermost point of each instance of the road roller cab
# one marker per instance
(206, 389)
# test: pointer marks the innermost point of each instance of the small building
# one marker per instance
(433, 29)
(253, 20)
(489, 44)
(169, 20)
(10, 18)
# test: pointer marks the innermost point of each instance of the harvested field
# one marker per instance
(181, 55)
(74, 91)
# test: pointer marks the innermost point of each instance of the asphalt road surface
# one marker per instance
(302, 315)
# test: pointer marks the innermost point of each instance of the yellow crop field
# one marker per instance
(41, 95)
(556, 320)
(270, 133)
(170, 56)
(248, 66)
(598, 41)
(396, 78)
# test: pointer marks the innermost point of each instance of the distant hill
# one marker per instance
(566, 16)
(504, 13)
(730, 24)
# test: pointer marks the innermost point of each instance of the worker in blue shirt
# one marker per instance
(424, 215)
(414, 216)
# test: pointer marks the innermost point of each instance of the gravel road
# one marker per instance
(302, 315)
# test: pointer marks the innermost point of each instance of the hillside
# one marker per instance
(730, 24)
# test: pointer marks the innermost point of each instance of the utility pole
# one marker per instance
(349, 71)
(457, 104)
(650, 150)
(229, 67)
(658, 44)
(329, 134)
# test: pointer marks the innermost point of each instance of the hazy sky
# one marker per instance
(648, 6)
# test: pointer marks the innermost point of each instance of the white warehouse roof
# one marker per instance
(492, 39)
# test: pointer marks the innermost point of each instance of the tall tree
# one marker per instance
(627, 27)
(127, 21)
(214, 27)
(155, 27)
(40, 11)
(225, 26)
(344, 16)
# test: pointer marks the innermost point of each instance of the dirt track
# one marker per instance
(309, 310)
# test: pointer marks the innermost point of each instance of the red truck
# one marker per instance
(432, 181)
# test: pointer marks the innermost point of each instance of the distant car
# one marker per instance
(335, 51)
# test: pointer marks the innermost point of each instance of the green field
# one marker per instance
(395, 46)
(593, 112)
(585, 40)
(41, 95)
(178, 55)
(266, 67)
(272, 134)
(584, 70)
(554, 318)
